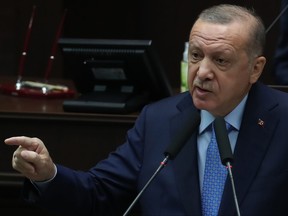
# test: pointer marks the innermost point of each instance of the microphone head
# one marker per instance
(223, 141)
(191, 122)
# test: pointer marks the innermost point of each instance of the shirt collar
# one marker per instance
(234, 118)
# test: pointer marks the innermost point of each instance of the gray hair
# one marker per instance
(226, 13)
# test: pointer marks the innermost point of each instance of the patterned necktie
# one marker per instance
(214, 179)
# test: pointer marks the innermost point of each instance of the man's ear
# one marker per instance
(257, 69)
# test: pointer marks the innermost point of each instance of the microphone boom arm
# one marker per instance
(228, 165)
(162, 164)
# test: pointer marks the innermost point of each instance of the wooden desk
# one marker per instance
(77, 140)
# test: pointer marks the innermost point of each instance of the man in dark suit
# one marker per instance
(225, 62)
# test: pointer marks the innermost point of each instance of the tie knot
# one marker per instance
(229, 127)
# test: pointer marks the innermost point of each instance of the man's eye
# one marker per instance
(221, 61)
(195, 56)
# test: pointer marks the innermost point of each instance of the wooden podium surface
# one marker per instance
(77, 140)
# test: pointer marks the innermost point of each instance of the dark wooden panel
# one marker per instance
(77, 140)
(166, 22)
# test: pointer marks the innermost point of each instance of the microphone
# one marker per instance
(223, 141)
(225, 152)
(189, 126)
(192, 120)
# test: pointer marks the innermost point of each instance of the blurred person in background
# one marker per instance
(280, 61)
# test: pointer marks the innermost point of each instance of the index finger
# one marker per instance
(26, 142)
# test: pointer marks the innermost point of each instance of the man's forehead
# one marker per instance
(211, 26)
(214, 32)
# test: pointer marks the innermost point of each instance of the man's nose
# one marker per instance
(205, 69)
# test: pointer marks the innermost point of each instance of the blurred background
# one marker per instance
(166, 22)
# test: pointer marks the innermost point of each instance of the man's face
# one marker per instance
(220, 73)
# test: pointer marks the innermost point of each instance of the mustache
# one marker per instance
(203, 84)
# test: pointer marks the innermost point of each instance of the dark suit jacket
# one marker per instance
(260, 167)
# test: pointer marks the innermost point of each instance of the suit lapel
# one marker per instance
(185, 165)
(253, 141)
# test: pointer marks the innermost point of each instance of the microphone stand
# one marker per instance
(191, 122)
(225, 152)
(228, 166)
(276, 19)
(162, 164)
